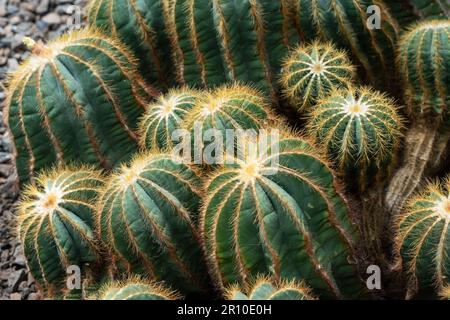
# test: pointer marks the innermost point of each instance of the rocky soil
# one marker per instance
(38, 19)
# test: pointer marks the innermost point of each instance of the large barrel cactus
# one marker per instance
(424, 240)
(423, 61)
(407, 11)
(147, 216)
(279, 212)
(76, 100)
(136, 289)
(264, 288)
(55, 225)
(311, 72)
(140, 24)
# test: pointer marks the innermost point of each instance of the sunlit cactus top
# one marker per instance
(423, 59)
(312, 71)
(445, 293)
(265, 288)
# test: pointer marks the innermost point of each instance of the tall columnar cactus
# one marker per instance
(424, 240)
(55, 224)
(76, 100)
(136, 289)
(423, 61)
(278, 212)
(407, 11)
(147, 216)
(140, 24)
(360, 129)
(265, 289)
(165, 116)
(311, 72)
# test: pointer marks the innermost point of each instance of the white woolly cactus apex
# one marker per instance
(136, 288)
(310, 72)
(265, 288)
(165, 116)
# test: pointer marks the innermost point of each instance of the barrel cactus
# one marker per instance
(136, 289)
(55, 222)
(424, 239)
(165, 116)
(424, 52)
(311, 72)
(360, 129)
(140, 24)
(265, 289)
(407, 11)
(445, 293)
(76, 100)
(283, 217)
(147, 216)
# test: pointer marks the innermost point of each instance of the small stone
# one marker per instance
(12, 64)
(4, 156)
(52, 18)
(4, 255)
(12, 9)
(43, 7)
(15, 296)
(20, 261)
(23, 285)
(15, 279)
(2, 7)
(34, 296)
(5, 170)
(15, 20)
(42, 25)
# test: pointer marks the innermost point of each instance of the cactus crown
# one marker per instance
(311, 72)
(422, 53)
(136, 288)
(264, 288)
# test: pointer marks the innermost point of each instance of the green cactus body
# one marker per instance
(165, 116)
(265, 289)
(284, 218)
(344, 22)
(312, 71)
(360, 129)
(136, 289)
(140, 24)
(55, 221)
(411, 10)
(424, 240)
(74, 101)
(147, 216)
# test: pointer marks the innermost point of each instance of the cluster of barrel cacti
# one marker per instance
(98, 117)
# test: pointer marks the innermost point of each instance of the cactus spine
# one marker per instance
(424, 239)
(75, 100)
(139, 24)
(311, 72)
(136, 289)
(265, 289)
(445, 293)
(165, 116)
(147, 216)
(284, 218)
(423, 56)
(55, 221)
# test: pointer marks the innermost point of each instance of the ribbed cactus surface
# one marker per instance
(140, 24)
(282, 217)
(360, 129)
(265, 289)
(407, 11)
(165, 116)
(424, 239)
(55, 224)
(76, 100)
(136, 289)
(147, 216)
(311, 72)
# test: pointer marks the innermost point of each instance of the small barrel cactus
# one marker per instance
(76, 100)
(55, 224)
(140, 24)
(165, 116)
(311, 72)
(147, 216)
(278, 212)
(136, 289)
(360, 129)
(423, 55)
(265, 289)
(424, 240)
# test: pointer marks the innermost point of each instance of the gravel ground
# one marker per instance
(39, 19)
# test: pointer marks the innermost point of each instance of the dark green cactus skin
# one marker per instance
(78, 100)
(55, 226)
(407, 11)
(140, 24)
(147, 217)
(424, 241)
(292, 224)
(136, 289)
